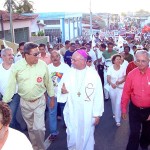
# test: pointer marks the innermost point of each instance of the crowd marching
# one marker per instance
(72, 82)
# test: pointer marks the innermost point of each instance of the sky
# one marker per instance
(110, 6)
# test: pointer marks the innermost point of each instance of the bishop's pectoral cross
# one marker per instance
(78, 94)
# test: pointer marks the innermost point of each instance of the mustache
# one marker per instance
(55, 60)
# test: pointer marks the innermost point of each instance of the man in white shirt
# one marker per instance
(90, 52)
(20, 53)
(56, 70)
(5, 69)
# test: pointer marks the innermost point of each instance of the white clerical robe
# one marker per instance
(79, 111)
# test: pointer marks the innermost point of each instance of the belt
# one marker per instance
(141, 108)
(31, 101)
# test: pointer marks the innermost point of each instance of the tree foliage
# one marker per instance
(19, 6)
(142, 13)
(13, 5)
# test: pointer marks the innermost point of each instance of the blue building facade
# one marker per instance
(61, 25)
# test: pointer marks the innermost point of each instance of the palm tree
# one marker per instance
(21, 6)
(12, 3)
(25, 6)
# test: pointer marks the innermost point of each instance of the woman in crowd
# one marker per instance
(132, 65)
(127, 56)
(116, 78)
(11, 138)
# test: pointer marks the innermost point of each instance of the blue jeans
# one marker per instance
(52, 113)
(62, 105)
(14, 108)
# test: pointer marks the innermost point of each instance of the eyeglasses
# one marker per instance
(89, 61)
(141, 61)
(75, 60)
(35, 54)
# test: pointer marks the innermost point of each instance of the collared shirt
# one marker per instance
(32, 81)
(18, 57)
(46, 59)
(136, 88)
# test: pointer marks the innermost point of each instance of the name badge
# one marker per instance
(39, 79)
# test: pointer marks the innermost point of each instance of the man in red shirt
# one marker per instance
(137, 88)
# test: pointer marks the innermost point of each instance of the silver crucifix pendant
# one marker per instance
(78, 94)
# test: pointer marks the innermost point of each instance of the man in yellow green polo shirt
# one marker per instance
(32, 77)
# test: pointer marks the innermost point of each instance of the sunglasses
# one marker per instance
(89, 61)
(35, 54)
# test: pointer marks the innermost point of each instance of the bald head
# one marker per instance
(78, 61)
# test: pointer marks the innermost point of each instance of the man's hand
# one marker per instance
(97, 119)
(148, 119)
(100, 60)
(52, 102)
(63, 89)
(124, 116)
(117, 82)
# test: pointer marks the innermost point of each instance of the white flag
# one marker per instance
(120, 41)
(93, 41)
(5, 45)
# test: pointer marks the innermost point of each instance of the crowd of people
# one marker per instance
(73, 82)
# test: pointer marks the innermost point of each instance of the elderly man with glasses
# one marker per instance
(137, 90)
(32, 77)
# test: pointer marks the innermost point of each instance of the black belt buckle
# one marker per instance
(141, 108)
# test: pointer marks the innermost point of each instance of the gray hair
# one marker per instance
(142, 52)
(3, 52)
(28, 46)
(55, 51)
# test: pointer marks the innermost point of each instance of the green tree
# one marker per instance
(142, 13)
(19, 6)
(13, 5)
(25, 6)
(123, 14)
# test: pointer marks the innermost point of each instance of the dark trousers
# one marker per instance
(139, 127)
(14, 104)
(100, 69)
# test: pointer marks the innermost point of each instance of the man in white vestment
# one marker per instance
(82, 91)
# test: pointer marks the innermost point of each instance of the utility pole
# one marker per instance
(91, 32)
(108, 22)
(2, 27)
(11, 23)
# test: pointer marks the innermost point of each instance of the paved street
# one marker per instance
(107, 135)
